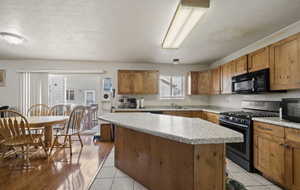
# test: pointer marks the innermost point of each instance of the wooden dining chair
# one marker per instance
(59, 110)
(73, 128)
(14, 129)
(38, 110)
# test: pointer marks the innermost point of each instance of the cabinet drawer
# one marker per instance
(292, 135)
(269, 129)
(178, 113)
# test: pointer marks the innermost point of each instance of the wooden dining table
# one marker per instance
(46, 122)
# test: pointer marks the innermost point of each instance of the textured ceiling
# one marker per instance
(132, 30)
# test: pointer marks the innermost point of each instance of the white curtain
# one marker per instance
(33, 89)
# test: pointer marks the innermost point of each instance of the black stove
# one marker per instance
(245, 117)
(241, 121)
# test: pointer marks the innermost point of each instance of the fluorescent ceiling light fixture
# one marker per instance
(11, 38)
(184, 20)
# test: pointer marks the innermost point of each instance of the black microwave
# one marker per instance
(251, 83)
(291, 109)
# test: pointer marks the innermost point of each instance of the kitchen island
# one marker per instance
(171, 153)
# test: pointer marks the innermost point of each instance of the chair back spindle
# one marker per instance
(13, 125)
(60, 110)
(38, 110)
(75, 120)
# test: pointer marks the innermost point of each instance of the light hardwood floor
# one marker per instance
(60, 172)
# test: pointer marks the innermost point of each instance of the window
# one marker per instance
(70, 95)
(89, 97)
(171, 87)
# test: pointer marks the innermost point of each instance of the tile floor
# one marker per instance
(110, 178)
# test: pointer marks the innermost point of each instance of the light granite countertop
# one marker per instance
(212, 109)
(180, 129)
(277, 121)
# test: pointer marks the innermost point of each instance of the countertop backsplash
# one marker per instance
(234, 100)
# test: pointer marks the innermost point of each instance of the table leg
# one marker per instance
(48, 136)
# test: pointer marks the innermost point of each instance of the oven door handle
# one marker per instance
(253, 84)
(233, 124)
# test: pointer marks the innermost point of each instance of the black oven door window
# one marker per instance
(242, 149)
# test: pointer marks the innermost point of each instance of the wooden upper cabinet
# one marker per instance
(241, 65)
(215, 81)
(151, 79)
(125, 82)
(192, 83)
(258, 60)
(285, 64)
(227, 72)
(199, 82)
(138, 82)
(204, 82)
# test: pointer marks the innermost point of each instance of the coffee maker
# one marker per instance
(127, 102)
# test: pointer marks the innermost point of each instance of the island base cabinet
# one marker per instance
(162, 164)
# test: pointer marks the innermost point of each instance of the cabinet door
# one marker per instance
(125, 82)
(204, 82)
(212, 117)
(138, 82)
(293, 159)
(241, 65)
(151, 79)
(285, 64)
(293, 167)
(258, 60)
(215, 81)
(269, 154)
(227, 72)
(193, 83)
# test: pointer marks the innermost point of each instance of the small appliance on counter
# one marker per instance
(126, 102)
(290, 108)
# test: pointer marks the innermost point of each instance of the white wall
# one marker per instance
(9, 94)
(235, 100)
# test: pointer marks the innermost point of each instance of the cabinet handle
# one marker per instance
(285, 145)
(263, 128)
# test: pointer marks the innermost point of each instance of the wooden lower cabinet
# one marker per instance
(269, 157)
(277, 154)
(292, 159)
(192, 114)
(211, 117)
(163, 164)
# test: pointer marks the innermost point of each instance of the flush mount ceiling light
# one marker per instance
(187, 15)
(11, 38)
